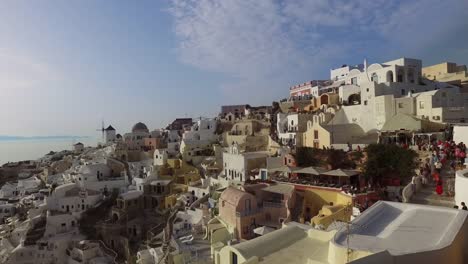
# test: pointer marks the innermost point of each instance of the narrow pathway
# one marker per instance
(427, 194)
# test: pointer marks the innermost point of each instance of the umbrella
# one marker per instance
(311, 170)
(341, 173)
(263, 230)
(284, 169)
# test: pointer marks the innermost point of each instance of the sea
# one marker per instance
(31, 149)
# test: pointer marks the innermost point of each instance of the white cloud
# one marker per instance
(267, 41)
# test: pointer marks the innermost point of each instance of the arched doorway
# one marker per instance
(354, 99)
(390, 76)
(324, 99)
(375, 78)
(400, 75)
(411, 75)
(115, 217)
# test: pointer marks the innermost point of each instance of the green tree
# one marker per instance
(388, 161)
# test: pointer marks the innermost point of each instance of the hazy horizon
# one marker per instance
(65, 66)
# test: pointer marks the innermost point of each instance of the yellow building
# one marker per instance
(448, 72)
(319, 135)
(178, 170)
(323, 207)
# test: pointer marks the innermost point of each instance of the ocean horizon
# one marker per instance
(13, 149)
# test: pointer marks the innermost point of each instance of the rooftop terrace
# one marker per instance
(403, 228)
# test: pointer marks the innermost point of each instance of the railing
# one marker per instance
(408, 191)
(106, 250)
(273, 204)
(247, 213)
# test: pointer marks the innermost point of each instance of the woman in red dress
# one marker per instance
(439, 188)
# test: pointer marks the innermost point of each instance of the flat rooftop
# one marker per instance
(402, 228)
(287, 245)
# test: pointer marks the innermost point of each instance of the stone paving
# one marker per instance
(427, 194)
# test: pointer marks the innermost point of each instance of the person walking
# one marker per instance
(439, 188)
(464, 206)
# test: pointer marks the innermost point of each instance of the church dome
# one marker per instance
(140, 127)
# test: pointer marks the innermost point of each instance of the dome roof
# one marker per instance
(140, 127)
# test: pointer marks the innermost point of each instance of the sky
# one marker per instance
(67, 65)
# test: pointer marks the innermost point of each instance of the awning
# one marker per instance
(312, 170)
(280, 188)
(341, 173)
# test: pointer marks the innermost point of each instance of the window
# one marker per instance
(421, 105)
(365, 102)
(354, 80)
(400, 105)
(315, 134)
(389, 76)
(403, 91)
(233, 258)
(411, 75)
(375, 77)
(247, 205)
(367, 90)
(400, 76)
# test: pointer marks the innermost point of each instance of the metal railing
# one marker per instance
(247, 213)
(273, 204)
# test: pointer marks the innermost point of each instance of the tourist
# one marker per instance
(464, 206)
(436, 177)
(439, 188)
(424, 176)
(413, 183)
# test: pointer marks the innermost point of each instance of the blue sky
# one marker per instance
(65, 65)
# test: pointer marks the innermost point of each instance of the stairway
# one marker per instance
(427, 195)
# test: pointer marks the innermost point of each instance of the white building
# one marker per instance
(382, 90)
(173, 141)
(90, 252)
(135, 139)
(27, 186)
(9, 190)
(460, 134)
(238, 166)
(99, 177)
(343, 72)
(160, 157)
(6, 210)
(71, 198)
(109, 135)
(290, 127)
(461, 183)
(78, 147)
(198, 140)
